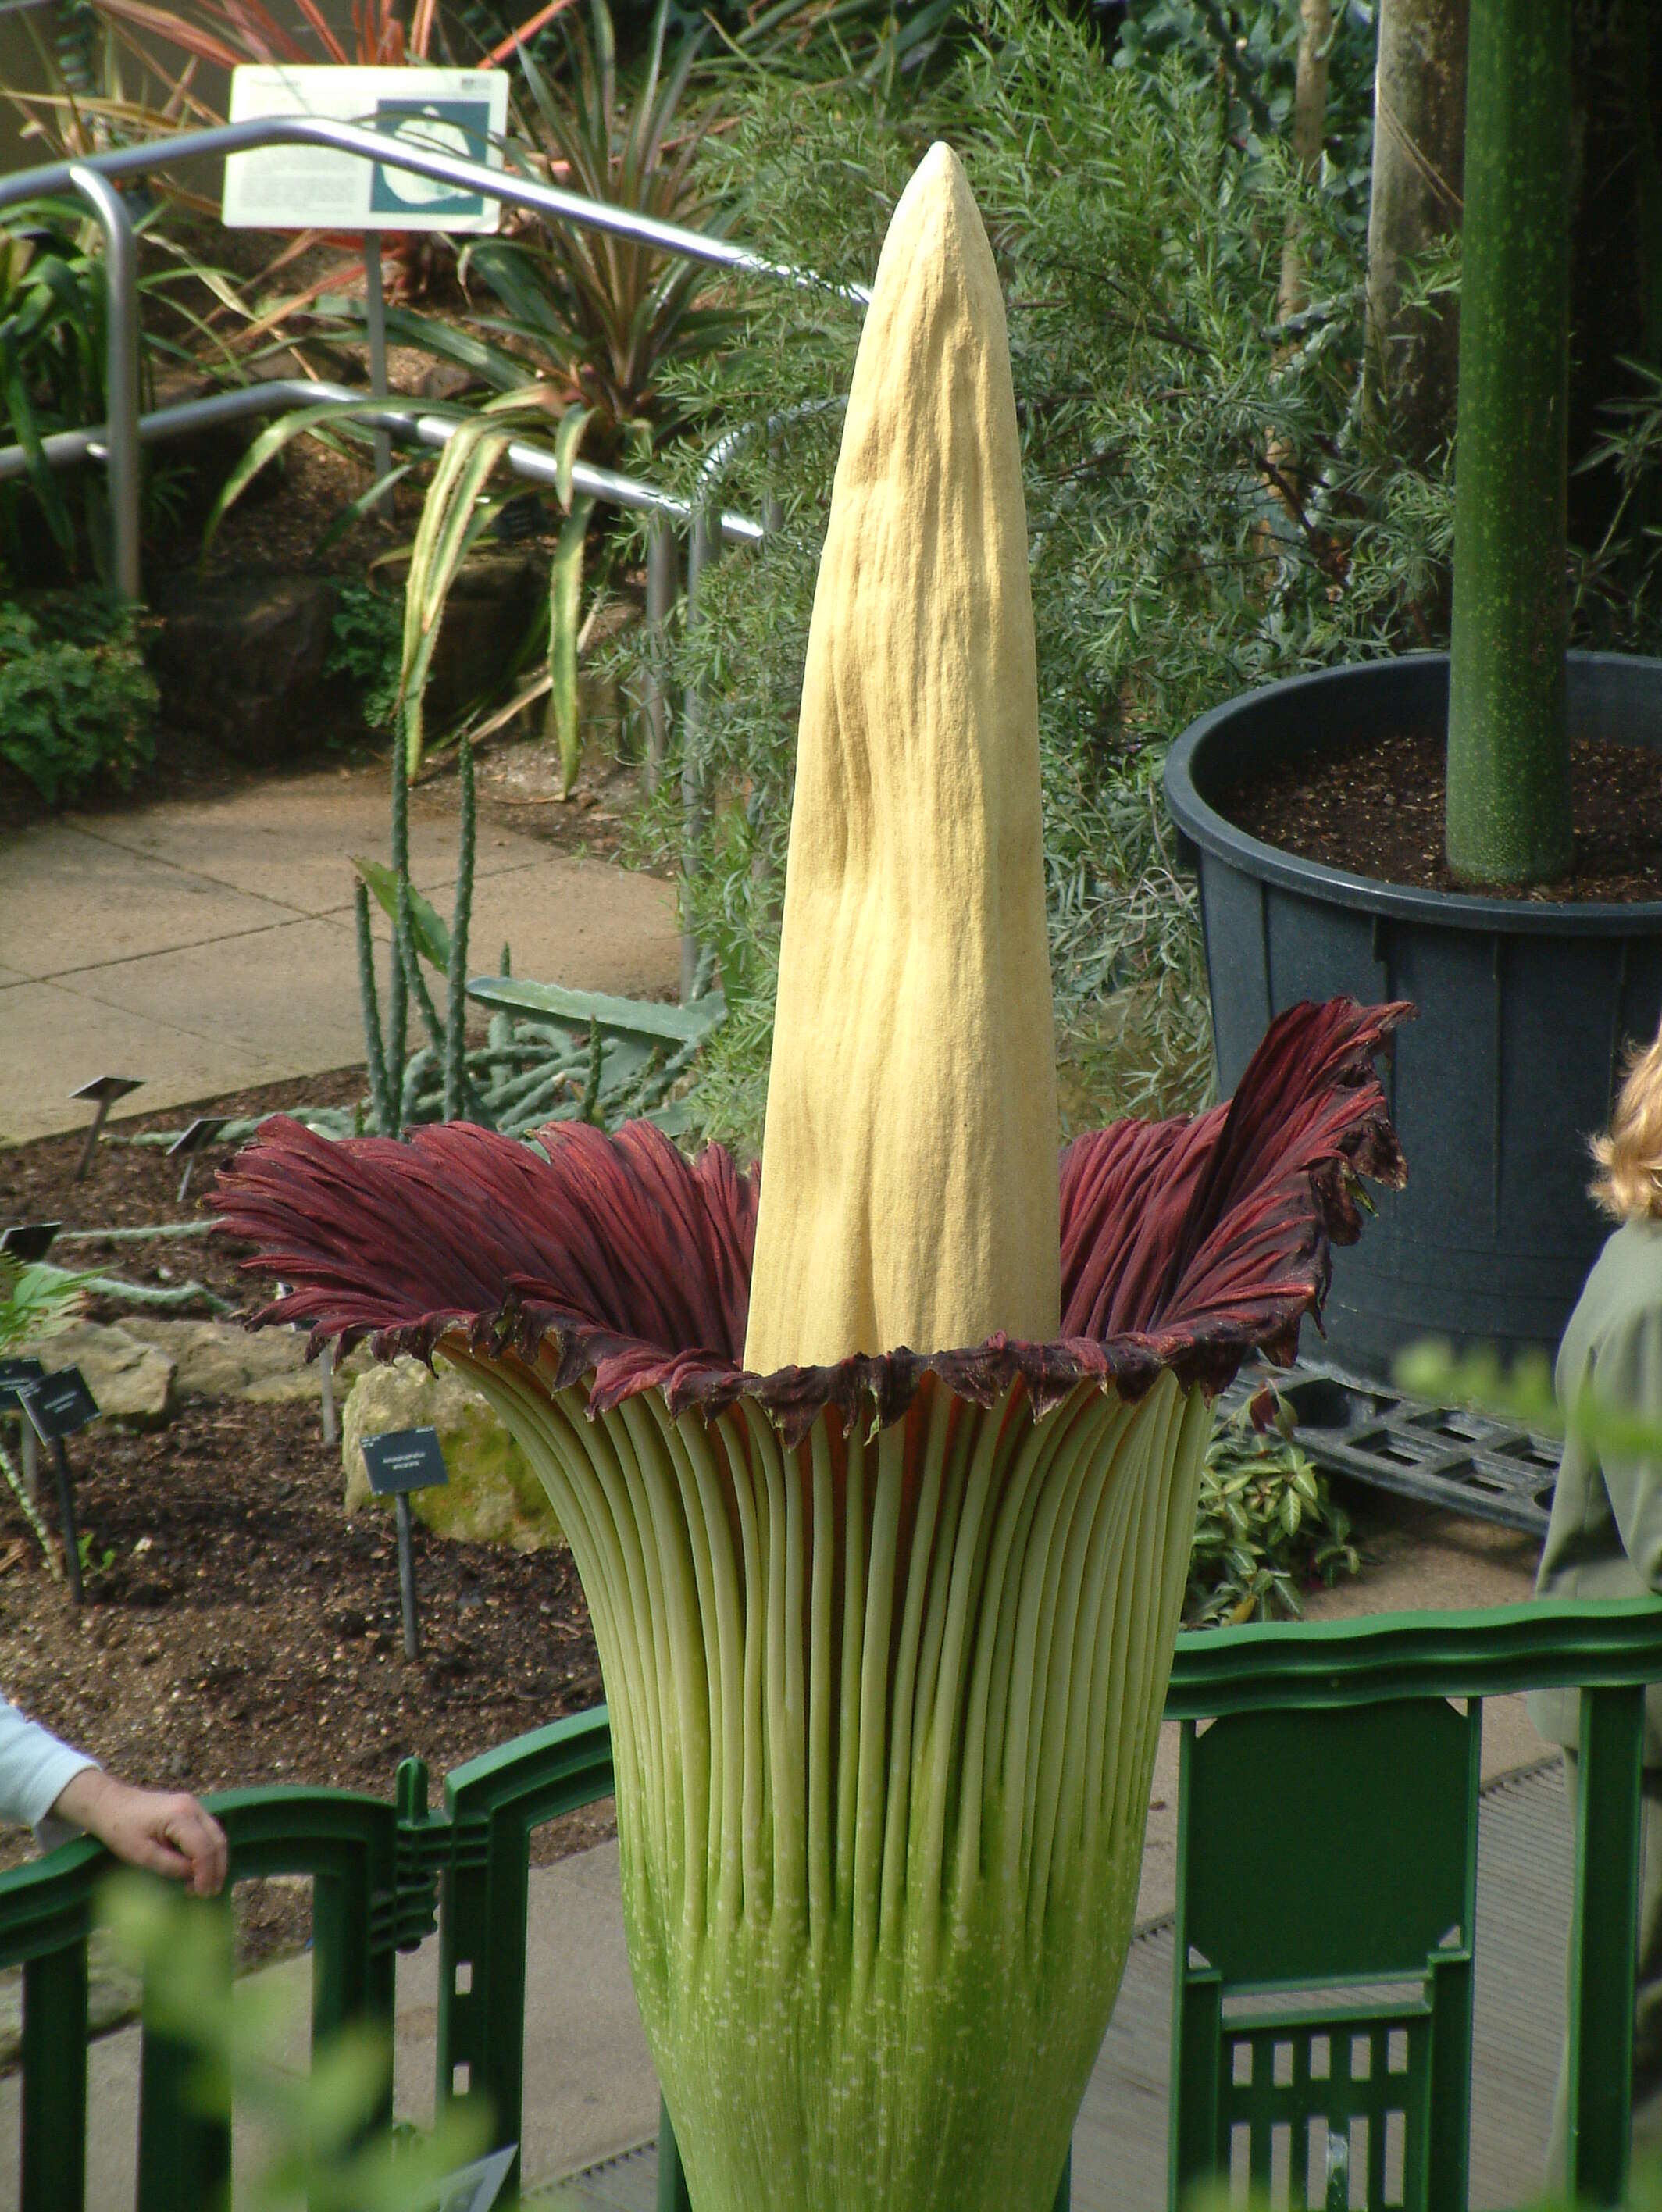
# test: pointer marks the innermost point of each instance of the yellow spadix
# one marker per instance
(909, 1167)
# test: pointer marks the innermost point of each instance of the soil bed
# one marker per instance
(1376, 810)
(244, 1631)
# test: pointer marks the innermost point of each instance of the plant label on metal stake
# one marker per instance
(103, 1090)
(375, 331)
(326, 1393)
(474, 2188)
(27, 1242)
(460, 113)
(57, 1406)
(401, 1460)
(13, 1374)
(191, 1143)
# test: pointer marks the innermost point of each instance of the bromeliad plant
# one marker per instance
(880, 1470)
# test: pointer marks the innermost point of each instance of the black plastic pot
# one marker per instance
(1526, 1008)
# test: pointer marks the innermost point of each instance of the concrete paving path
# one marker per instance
(208, 945)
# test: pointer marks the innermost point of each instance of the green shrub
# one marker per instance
(368, 644)
(76, 700)
(1140, 254)
(1208, 507)
(1266, 1527)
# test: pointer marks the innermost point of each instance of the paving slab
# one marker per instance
(73, 901)
(579, 923)
(291, 838)
(52, 1039)
(206, 945)
(290, 993)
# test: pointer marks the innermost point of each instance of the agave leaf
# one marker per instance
(270, 442)
(453, 515)
(567, 440)
(432, 937)
(565, 600)
(490, 363)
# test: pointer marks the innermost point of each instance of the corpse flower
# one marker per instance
(879, 1469)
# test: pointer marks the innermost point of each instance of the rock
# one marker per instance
(130, 1380)
(446, 379)
(487, 614)
(243, 662)
(223, 1359)
(492, 1498)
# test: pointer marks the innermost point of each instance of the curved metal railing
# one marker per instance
(117, 443)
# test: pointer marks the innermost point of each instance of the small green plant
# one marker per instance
(1266, 1525)
(76, 700)
(52, 353)
(368, 631)
(36, 1303)
(92, 1562)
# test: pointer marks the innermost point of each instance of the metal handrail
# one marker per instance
(439, 169)
(120, 372)
(95, 178)
(66, 448)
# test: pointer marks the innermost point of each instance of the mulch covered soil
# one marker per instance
(1377, 810)
(244, 1631)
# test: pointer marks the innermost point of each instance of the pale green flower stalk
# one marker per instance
(884, 1717)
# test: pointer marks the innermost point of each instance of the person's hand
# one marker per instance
(166, 1832)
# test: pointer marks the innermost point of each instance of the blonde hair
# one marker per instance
(1629, 1184)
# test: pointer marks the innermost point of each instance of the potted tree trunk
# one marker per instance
(1529, 982)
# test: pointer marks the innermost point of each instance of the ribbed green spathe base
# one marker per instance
(884, 1714)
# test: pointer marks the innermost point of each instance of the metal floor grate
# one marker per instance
(1490, 1469)
(1524, 1869)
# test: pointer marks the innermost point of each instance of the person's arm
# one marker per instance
(35, 1768)
(168, 1832)
(1624, 1383)
(53, 1789)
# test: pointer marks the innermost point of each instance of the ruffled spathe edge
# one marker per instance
(1187, 1245)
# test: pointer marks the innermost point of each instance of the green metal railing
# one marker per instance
(384, 1875)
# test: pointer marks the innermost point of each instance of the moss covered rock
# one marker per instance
(492, 1498)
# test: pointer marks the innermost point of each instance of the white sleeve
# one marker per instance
(34, 1770)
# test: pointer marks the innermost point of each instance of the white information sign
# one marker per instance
(462, 112)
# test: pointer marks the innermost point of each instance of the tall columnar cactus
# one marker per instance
(880, 1476)
(417, 932)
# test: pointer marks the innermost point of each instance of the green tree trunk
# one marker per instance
(1508, 817)
(1419, 131)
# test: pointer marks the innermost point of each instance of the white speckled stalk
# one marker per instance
(884, 1715)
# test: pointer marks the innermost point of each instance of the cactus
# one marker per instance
(417, 932)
